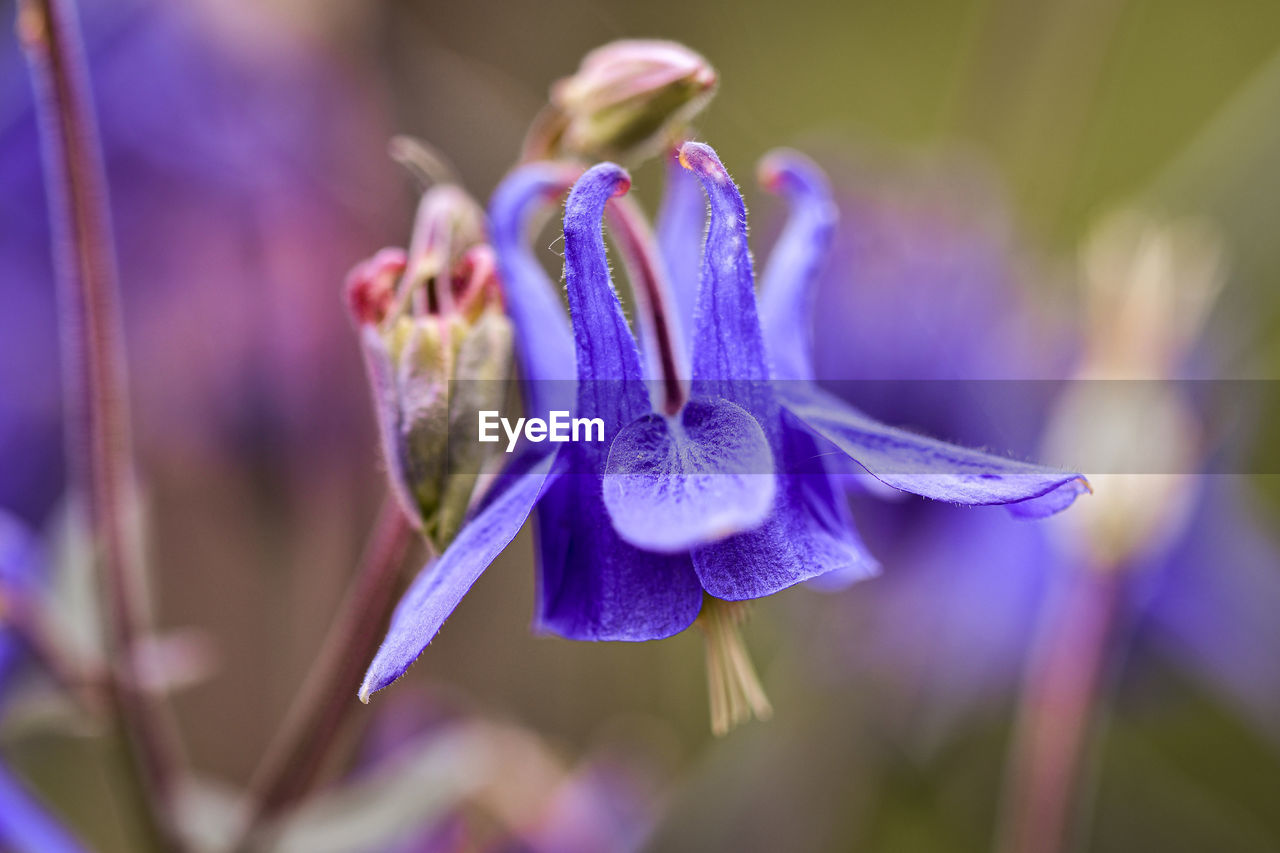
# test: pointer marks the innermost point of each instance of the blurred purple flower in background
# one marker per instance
(247, 161)
(930, 288)
(922, 303)
(238, 198)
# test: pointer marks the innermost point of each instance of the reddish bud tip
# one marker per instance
(371, 286)
(479, 279)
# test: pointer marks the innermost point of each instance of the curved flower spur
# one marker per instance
(710, 498)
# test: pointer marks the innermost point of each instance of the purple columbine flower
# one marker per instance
(706, 491)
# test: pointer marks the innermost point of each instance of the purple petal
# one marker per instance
(609, 374)
(544, 341)
(593, 585)
(441, 584)
(806, 536)
(790, 277)
(1215, 601)
(1052, 502)
(932, 468)
(827, 504)
(728, 347)
(681, 227)
(801, 539)
(672, 484)
(25, 825)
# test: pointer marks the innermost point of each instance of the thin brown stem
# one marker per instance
(298, 753)
(652, 293)
(98, 445)
(1058, 703)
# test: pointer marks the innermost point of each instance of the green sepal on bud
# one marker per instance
(437, 347)
(626, 101)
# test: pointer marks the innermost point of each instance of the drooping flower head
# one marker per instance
(707, 491)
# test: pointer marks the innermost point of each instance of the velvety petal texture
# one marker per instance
(809, 535)
(728, 347)
(673, 483)
(931, 468)
(593, 584)
(682, 224)
(608, 359)
(790, 277)
(442, 583)
(793, 544)
(544, 342)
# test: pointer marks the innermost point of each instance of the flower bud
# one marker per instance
(427, 320)
(626, 100)
(1148, 287)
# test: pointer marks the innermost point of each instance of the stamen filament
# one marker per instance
(733, 688)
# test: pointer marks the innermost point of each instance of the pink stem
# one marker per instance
(651, 291)
(1058, 703)
(98, 445)
(296, 756)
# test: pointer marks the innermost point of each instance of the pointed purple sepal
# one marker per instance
(787, 293)
(932, 468)
(442, 583)
(595, 586)
(681, 226)
(544, 341)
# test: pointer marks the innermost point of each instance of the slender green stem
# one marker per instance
(1058, 703)
(98, 445)
(302, 745)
